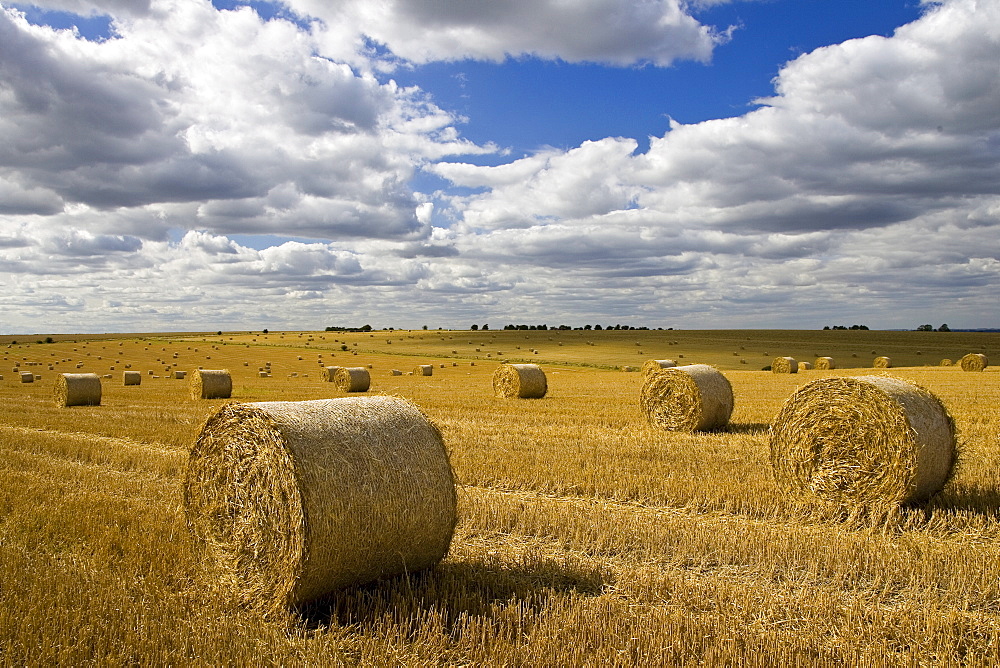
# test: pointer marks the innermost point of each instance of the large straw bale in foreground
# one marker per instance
(211, 384)
(293, 500)
(522, 381)
(824, 364)
(132, 377)
(652, 366)
(78, 389)
(784, 365)
(353, 379)
(974, 362)
(882, 362)
(865, 440)
(696, 397)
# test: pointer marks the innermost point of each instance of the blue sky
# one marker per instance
(182, 164)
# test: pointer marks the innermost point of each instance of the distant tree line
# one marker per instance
(363, 328)
(846, 327)
(544, 327)
(930, 328)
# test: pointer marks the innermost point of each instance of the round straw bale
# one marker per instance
(824, 364)
(395, 372)
(974, 362)
(293, 500)
(353, 379)
(882, 362)
(805, 366)
(784, 365)
(947, 362)
(211, 384)
(696, 397)
(329, 372)
(521, 381)
(78, 389)
(870, 439)
(423, 370)
(180, 375)
(132, 377)
(655, 365)
(27, 377)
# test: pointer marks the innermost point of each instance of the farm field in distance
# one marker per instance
(585, 536)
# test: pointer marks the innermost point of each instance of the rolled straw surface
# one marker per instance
(293, 500)
(132, 377)
(824, 364)
(696, 397)
(805, 366)
(78, 389)
(974, 362)
(329, 373)
(521, 381)
(882, 362)
(211, 384)
(865, 440)
(423, 370)
(353, 379)
(784, 365)
(655, 365)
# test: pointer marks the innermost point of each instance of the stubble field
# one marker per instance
(585, 536)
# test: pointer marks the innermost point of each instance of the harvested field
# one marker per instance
(585, 535)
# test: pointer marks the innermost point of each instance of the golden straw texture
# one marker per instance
(132, 377)
(870, 440)
(78, 389)
(289, 501)
(353, 379)
(974, 362)
(696, 397)
(824, 364)
(522, 381)
(211, 384)
(329, 373)
(882, 363)
(784, 365)
(655, 365)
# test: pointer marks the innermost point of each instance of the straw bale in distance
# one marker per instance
(423, 370)
(805, 366)
(180, 375)
(882, 362)
(395, 372)
(869, 440)
(292, 500)
(27, 377)
(211, 384)
(824, 364)
(784, 365)
(655, 365)
(695, 397)
(78, 389)
(947, 362)
(132, 377)
(353, 379)
(329, 373)
(521, 381)
(974, 362)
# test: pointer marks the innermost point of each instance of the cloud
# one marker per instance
(616, 32)
(221, 109)
(131, 169)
